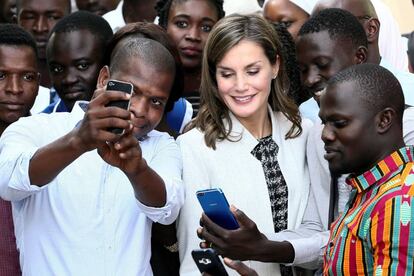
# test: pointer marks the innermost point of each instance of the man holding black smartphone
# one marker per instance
(85, 198)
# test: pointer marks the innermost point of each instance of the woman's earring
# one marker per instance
(274, 77)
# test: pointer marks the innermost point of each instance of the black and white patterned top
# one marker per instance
(266, 152)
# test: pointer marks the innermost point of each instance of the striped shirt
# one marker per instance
(374, 235)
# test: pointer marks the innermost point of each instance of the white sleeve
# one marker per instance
(18, 144)
(167, 163)
(195, 177)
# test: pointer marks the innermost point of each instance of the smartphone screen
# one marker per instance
(208, 261)
(216, 207)
(126, 87)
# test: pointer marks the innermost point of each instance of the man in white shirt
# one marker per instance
(84, 198)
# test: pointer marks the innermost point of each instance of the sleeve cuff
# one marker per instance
(169, 212)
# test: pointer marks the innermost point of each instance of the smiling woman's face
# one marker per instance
(244, 76)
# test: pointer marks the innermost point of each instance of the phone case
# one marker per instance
(216, 207)
(208, 261)
(122, 86)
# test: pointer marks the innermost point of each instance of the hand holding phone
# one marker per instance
(216, 207)
(209, 262)
(126, 87)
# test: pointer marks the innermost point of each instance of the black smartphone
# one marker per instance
(126, 87)
(216, 207)
(209, 262)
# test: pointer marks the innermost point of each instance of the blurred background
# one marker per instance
(403, 10)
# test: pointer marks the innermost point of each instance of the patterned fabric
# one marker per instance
(194, 99)
(374, 235)
(9, 257)
(266, 152)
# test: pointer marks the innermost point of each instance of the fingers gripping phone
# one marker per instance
(209, 262)
(216, 207)
(126, 87)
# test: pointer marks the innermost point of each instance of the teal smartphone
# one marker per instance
(216, 207)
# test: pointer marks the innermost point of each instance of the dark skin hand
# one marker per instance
(245, 243)
(122, 151)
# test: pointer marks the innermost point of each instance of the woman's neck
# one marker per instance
(259, 126)
(192, 80)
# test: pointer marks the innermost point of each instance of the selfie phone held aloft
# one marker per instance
(216, 207)
(208, 261)
(126, 87)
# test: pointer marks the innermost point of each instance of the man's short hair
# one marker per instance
(83, 20)
(339, 23)
(149, 52)
(158, 34)
(378, 88)
(14, 35)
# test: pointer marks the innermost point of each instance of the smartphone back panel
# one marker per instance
(208, 261)
(216, 207)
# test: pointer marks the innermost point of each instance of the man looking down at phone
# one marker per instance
(85, 198)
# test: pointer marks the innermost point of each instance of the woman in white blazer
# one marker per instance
(248, 138)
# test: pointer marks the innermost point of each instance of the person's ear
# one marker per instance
(361, 55)
(372, 27)
(103, 77)
(385, 119)
(275, 67)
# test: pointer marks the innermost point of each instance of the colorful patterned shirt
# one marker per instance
(374, 235)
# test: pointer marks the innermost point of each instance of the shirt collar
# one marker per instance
(386, 166)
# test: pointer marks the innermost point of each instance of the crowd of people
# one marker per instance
(300, 111)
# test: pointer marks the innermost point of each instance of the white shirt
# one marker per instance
(392, 45)
(240, 175)
(115, 17)
(42, 100)
(406, 80)
(87, 220)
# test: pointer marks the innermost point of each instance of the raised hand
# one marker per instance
(92, 132)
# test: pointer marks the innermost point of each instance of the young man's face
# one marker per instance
(151, 92)
(74, 60)
(98, 7)
(19, 82)
(39, 17)
(320, 57)
(349, 129)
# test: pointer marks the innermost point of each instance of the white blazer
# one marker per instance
(240, 175)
